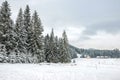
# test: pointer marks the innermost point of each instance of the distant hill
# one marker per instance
(74, 51)
(94, 53)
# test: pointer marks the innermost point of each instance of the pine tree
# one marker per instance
(38, 43)
(4, 19)
(6, 27)
(50, 57)
(61, 50)
(56, 49)
(27, 34)
(20, 39)
(27, 29)
(19, 32)
(52, 53)
(64, 49)
(46, 46)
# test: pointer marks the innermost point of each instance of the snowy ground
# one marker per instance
(83, 69)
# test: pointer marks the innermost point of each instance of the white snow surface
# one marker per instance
(83, 69)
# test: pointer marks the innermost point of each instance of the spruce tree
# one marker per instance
(27, 34)
(50, 57)
(46, 46)
(61, 50)
(27, 29)
(19, 32)
(64, 49)
(6, 27)
(52, 53)
(56, 49)
(38, 43)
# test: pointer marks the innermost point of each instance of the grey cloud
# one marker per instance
(83, 12)
(112, 27)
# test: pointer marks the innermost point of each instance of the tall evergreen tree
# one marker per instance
(38, 43)
(6, 27)
(64, 49)
(27, 29)
(52, 53)
(27, 33)
(56, 49)
(50, 57)
(19, 32)
(61, 50)
(46, 46)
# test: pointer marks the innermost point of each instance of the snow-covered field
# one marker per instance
(83, 69)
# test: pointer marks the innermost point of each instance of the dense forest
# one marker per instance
(22, 41)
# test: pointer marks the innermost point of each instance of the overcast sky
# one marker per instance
(88, 23)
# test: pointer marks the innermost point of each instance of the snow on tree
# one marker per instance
(24, 41)
(46, 46)
(61, 50)
(6, 27)
(64, 49)
(3, 55)
(51, 52)
(19, 30)
(5, 20)
(23, 54)
(37, 41)
(56, 49)
(27, 29)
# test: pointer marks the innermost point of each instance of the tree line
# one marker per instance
(95, 53)
(22, 41)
